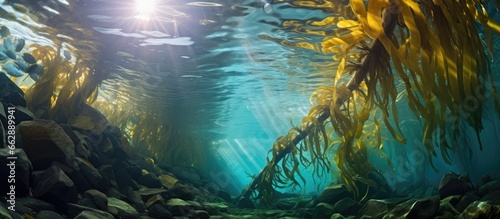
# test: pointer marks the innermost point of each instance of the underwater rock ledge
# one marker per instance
(65, 171)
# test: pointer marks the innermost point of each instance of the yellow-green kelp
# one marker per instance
(433, 47)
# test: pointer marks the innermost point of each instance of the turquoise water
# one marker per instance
(207, 68)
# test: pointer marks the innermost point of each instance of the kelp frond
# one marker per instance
(434, 48)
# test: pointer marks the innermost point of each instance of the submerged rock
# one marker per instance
(46, 143)
(56, 188)
(480, 210)
(21, 170)
(121, 209)
(451, 184)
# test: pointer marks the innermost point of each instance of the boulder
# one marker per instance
(56, 188)
(46, 143)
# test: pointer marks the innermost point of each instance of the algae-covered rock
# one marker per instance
(481, 210)
(90, 119)
(121, 209)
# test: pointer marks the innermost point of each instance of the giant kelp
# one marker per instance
(434, 47)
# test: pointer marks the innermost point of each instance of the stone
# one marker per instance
(424, 208)
(374, 207)
(134, 171)
(134, 199)
(492, 197)
(244, 202)
(480, 210)
(483, 180)
(22, 114)
(35, 204)
(94, 215)
(168, 181)
(450, 184)
(323, 210)
(181, 191)
(465, 201)
(7, 88)
(121, 209)
(149, 180)
(334, 193)
(156, 199)
(21, 168)
(87, 203)
(160, 212)
(147, 193)
(91, 174)
(112, 192)
(90, 119)
(488, 187)
(214, 208)
(337, 216)
(201, 214)
(46, 143)
(178, 207)
(346, 206)
(99, 199)
(124, 180)
(4, 213)
(108, 176)
(56, 188)
(48, 215)
(74, 210)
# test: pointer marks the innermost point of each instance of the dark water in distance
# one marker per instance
(202, 64)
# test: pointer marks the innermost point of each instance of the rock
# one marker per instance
(45, 143)
(492, 197)
(124, 180)
(56, 188)
(168, 181)
(90, 119)
(451, 185)
(160, 212)
(180, 191)
(87, 203)
(149, 166)
(91, 174)
(156, 199)
(400, 210)
(201, 214)
(22, 209)
(74, 210)
(112, 192)
(334, 193)
(489, 187)
(121, 209)
(82, 147)
(98, 198)
(15, 172)
(7, 90)
(22, 114)
(374, 207)
(35, 204)
(480, 210)
(483, 180)
(465, 201)
(178, 207)
(323, 210)
(424, 208)
(134, 199)
(214, 208)
(48, 215)
(446, 209)
(346, 206)
(134, 171)
(94, 215)
(453, 200)
(147, 193)
(4, 213)
(244, 202)
(149, 180)
(337, 216)
(108, 176)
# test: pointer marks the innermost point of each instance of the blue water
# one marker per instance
(206, 67)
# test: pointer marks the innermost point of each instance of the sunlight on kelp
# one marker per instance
(430, 46)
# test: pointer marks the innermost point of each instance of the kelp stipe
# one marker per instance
(426, 44)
